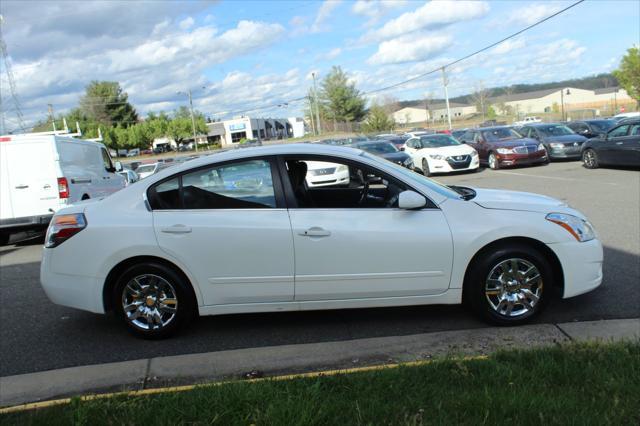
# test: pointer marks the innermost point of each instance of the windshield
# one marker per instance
(378, 148)
(602, 125)
(412, 176)
(500, 133)
(555, 130)
(146, 169)
(438, 141)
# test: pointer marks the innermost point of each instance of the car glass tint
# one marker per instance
(106, 159)
(231, 186)
(619, 131)
(166, 195)
(438, 141)
(635, 130)
(500, 134)
(555, 130)
(603, 125)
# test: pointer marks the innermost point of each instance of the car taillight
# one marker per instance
(63, 188)
(64, 227)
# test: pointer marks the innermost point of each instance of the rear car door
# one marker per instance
(345, 249)
(612, 149)
(227, 223)
(631, 146)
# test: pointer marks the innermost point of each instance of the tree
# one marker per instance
(480, 98)
(180, 128)
(628, 73)
(106, 103)
(378, 120)
(343, 102)
(491, 113)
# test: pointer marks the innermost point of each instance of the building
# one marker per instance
(554, 100)
(230, 132)
(435, 112)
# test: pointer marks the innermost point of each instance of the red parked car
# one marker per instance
(502, 146)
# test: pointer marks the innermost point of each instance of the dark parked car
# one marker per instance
(457, 133)
(397, 140)
(386, 150)
(620, 146)
(560, 141)
(591, 128)
(503, 146)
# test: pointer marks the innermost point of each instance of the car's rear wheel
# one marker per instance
(493, 161)
(590, 159)
(425, 167)
(153, 300)
(508, 285)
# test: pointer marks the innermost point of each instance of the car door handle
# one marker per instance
(176, 229)
(315, 232)
(22, 186)
(618, 143)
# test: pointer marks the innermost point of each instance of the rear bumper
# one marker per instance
(581, 265)
(40, 221)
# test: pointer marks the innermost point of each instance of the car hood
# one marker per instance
(511, 143)
(395, 156)
(565, 138)
(450, 150)
(515, 200)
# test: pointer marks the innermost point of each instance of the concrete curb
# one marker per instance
(206, 367)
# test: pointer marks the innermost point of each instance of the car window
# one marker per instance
(106, 159)
(619, 131)
(635, 130)
(245, 184)
(165, 195)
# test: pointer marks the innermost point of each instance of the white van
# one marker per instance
(41, 173)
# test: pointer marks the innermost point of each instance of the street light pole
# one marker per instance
(193, 120)
(445, 82)
(315, 95)
(562, 102)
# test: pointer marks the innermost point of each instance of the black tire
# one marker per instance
(478, 276)
(4, 238)
(495, 164)
(590, 159)
(425, 167)
(186, 304)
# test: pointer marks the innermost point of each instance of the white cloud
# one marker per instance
(431, 15)
(532, 13)
(186, 23)
(330, 55)
(410, 48)
(509, 46)
(374, 10)
(325, 11)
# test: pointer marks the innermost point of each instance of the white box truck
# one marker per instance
(41, 173)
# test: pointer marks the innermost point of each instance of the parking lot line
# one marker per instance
(552, 177)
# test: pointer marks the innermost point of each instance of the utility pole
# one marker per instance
(53, 119)
(313, 124)
(193, 120)
(445, 82)
(562, 102)
(315, 94)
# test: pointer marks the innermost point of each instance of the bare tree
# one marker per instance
(390, 104)
(480, 97)
(428, 102)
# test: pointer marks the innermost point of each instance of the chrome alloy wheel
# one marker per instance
(149, 302)
(589, 158)
(514, 287)
(493, 161)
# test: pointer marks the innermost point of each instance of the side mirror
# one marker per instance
(118, 166)
(410, 200)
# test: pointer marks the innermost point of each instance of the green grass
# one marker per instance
(569, 385)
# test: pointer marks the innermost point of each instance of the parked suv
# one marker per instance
(503, 146)
(560, 141)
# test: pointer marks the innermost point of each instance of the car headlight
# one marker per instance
(504, 151)
(556, 145)
(474, 153)
(540, 147)
(342, 168)
(581, 229)
(436, 156)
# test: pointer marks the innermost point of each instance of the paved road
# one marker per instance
(36, 335)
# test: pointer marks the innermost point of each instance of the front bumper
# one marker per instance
(537, 157)
(444, 166)
(581, 266)
(564, 153)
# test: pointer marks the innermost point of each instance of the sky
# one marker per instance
(247, 57)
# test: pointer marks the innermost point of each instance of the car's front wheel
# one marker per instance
(425, 167)
(590, 159)
(493, 162)
(153, 300)
(508, 285)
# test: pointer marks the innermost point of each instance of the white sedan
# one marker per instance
(441, 153)
(321, 173)
(241, 231)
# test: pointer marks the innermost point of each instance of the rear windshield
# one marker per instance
(555, 130)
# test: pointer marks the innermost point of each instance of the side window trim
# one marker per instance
(275, 177)
(291, 202)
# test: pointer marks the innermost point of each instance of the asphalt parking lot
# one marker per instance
(36, 335)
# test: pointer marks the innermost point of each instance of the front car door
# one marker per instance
(354, 243)
(227, 223)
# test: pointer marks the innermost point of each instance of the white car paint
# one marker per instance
(32, 166)
(438, 158)
(321, 173)
(279, 259)
(146, 170)
(527, 120)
